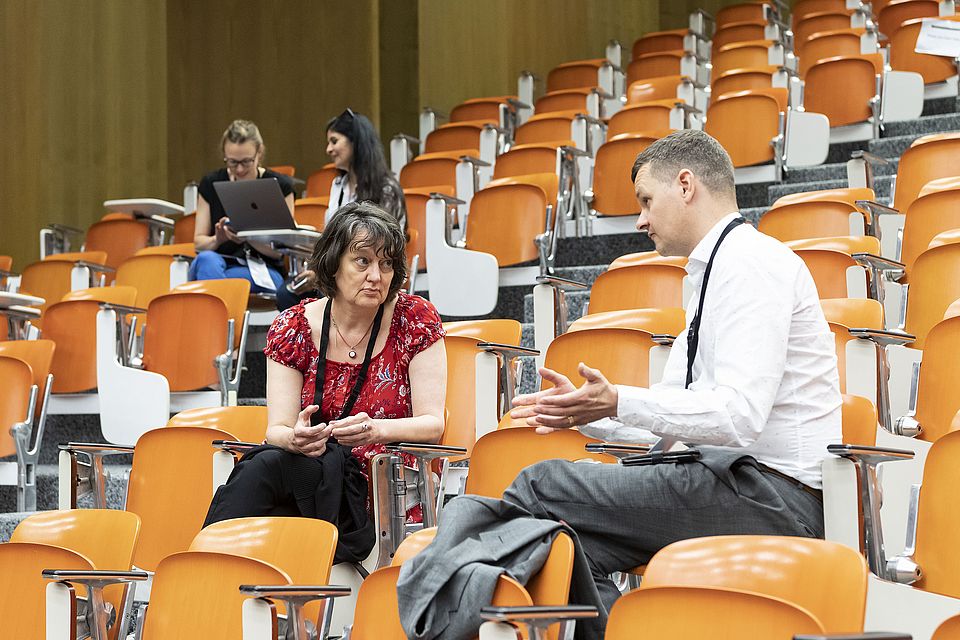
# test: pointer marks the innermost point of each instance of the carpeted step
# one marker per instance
(890, 148)
(923, 126)
(599, 249)
(47, 489)
(882, 185)
(576, 304)
(753, 195)
(939, 106)
(752, 214)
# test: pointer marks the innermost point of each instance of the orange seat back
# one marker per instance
(72, 325)
(197, 594)
(828, 44)
(819, 23)
(48, 279)
(453, 137)
(859, 421)
(501, 331)
(479, 109)
(895, 13)
(747, 146)
(937, 401)
(903, 56)
(548, 182)
(417, 221)
(928, 158)
(646, 257)
(39, 355)
(742, 32)
(826, 578)
(23, 589)
(737, 80)
(654, 65)
(185, 333)
(578, 74)
(640, 286)
(377, 615)
(829, 270)
(120, 239)
(427, 172)
(105, 537)
(682, 612)
(170, 488)
(567, 100)
(858, 76)
(311, 212)
(935, 552)
(518, 207)
(800, 220)
(284, 169)
(17, 380)
(849, 313)
(320, 181)
(745, 12)
(928, 216)
(643, 117)
(233, 292)
(658, 41)
(6, 263)
(742, 55)
(279, 542)
(622, 355)
(846, 194)
(460, 426)
(148, 274)
(933, 288)
(245, 423)
(184, 228)
(499, 456)
(653, 89)
(177, 249)
(803, 8)
(612, 188)
(526, 159)
(549, 127)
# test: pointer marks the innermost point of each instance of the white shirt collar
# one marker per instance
(701, 252)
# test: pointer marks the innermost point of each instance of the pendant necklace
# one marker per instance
(352, 353)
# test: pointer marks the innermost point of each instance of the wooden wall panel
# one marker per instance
(497, 39)
(288, 65)
(84, 104)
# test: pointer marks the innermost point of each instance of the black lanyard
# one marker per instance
(316, 418)
(693, 334)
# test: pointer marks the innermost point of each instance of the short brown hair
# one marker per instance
(355, 226)
(689, 149)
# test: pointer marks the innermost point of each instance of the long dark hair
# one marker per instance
(369, 164)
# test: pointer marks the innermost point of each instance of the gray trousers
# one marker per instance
(624, 515)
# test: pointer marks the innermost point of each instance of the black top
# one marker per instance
(216, 207)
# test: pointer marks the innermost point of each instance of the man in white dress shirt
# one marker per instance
(761, 401)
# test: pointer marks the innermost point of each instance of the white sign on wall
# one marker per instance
(939, 38)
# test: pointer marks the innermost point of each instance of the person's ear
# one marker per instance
(687, 185)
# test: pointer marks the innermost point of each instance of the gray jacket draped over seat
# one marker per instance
(441, 589)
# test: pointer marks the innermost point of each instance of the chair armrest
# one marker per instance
(661, 457)
(8, 274)
(883, 337)
(93, 577)
(426, 451)
(573, 151)
(65, 228)
(871, 158)
(869, 635)
(299, 594)
(233, 446)
(870, 455)
(617, 450)
(122, 308)
(449, 200)
(95, 448)
(538, 616)
(93, 266)
(875, 208)
(508, 351)
(477, 162)
(591, 120)
(878, 262)
(561, 282)
(518, 104)
(687, 108)
(663, 339)
(407, 137)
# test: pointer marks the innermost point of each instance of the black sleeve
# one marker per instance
(205, 188)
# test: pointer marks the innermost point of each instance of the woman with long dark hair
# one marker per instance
(357, 153)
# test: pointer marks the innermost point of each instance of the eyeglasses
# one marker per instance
(233, 164)
(347, 114)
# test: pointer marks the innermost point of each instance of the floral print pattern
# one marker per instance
(385, 394)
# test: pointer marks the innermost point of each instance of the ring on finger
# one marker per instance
(364, 427)
(570, 421)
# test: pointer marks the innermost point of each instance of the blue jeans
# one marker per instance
(210, 265)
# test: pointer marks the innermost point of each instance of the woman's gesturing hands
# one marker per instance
(355, 430)
(309, 440)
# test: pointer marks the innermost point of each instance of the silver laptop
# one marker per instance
(254, 205)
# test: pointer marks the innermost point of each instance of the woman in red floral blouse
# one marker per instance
(360, 267)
